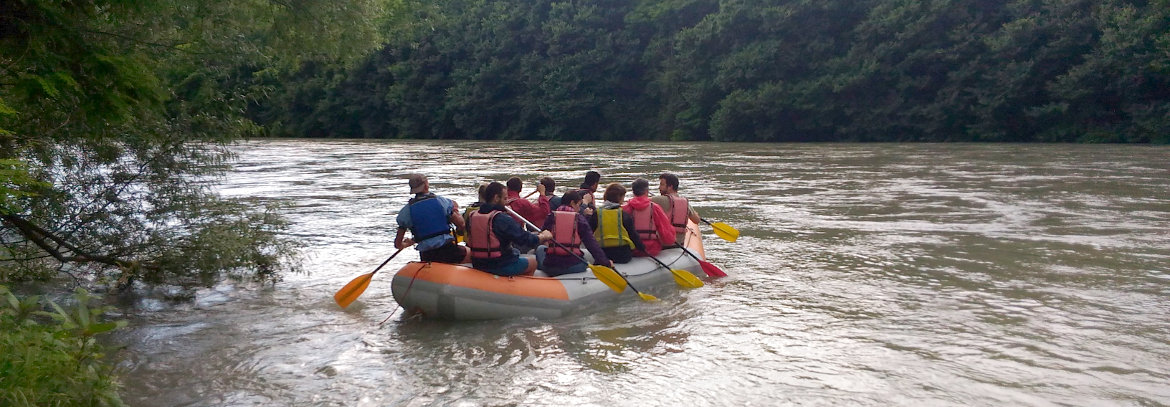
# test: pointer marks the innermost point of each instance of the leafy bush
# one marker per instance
(53, 358)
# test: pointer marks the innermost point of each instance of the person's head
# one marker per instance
(641, 187)
(615, 193)
(515, 184)
(667, 183)
(493, 193)
(571, 199)
(479, 191)
(591, 180)
(418, 184)
(549, 185)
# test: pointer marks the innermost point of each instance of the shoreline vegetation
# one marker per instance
(116, 116)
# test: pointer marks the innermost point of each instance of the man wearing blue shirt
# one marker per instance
(429, 218)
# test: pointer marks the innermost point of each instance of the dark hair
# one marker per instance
(570, 197)
(640, 187)
(615, 192)
(549, 184)
(515, 184)
(489, 192)
(591, 178)
(671, 180)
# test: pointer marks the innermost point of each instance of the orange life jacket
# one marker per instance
(481, 239)
(565, 233)
(679, 211)
(644, 223)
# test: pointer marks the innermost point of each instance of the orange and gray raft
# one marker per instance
(449, 291)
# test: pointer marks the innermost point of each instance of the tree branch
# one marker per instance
(52, 244)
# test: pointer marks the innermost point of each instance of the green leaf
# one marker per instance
(5, 109)
(102, 328)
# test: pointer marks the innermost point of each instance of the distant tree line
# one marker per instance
(732, 70)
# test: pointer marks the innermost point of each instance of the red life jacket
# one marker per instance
(481, 239)
(679, 211)
(644, 223)
(565, 233)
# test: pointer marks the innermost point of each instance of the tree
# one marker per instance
(115, 116)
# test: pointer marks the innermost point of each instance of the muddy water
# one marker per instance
(875, 274)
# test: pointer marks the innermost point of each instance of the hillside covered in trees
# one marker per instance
(730, 70)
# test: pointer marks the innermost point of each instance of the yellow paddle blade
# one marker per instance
(647, 297)
(609, 277)
(346, 295)
(686, 279)
(725, 231)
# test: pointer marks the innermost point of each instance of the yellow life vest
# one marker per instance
(610, 231)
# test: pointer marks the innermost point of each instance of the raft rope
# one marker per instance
(408, 286)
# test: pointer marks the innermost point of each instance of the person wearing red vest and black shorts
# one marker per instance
(571, 230)
(492, 233)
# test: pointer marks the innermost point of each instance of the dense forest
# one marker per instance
(731, 70)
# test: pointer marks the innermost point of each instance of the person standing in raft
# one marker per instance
(614, 226)
(650, 222)
(491, 236)
(676, 207)
(534, 213)
(570, 229)
(429, 218)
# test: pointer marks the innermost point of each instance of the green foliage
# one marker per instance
(864, 70)
(15, 184)
(114, 120)
(53, 357)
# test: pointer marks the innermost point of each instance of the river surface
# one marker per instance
(865, 274)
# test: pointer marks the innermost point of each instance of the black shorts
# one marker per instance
(448, 253)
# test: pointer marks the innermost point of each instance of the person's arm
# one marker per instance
(693, 214)
(399, 242)
(662, 224)
(403, 220)
(591, 243)
(543, 208)
(628, 222)
(457, 220)
(508, 230)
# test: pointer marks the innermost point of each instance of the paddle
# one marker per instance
(682, 277)
(355, 288)
(723, 230)
(611, 278)
(707, 267)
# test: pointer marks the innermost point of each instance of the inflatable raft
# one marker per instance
(448, 291)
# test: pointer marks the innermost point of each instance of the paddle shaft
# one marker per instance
(704, 264)
(387, 260)
(660, 263)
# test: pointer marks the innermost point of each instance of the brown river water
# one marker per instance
(865, 274)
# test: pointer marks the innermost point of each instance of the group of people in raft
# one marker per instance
(497, 241)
